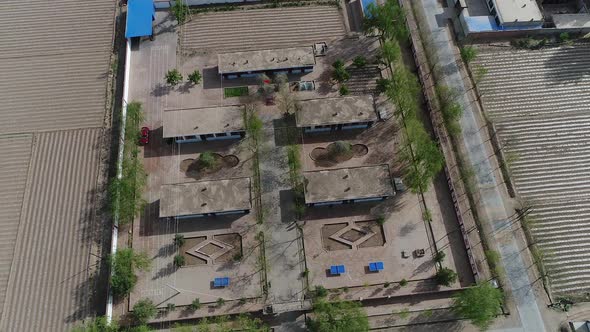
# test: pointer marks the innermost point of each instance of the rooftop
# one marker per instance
(250, 61)
(347, 183)
(201, 121)
(192, 198)
(336, 110)
(521, 11)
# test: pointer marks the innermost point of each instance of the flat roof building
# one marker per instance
(205, 198)
(347, 185)
(293, 60)
(516, 13)
(330, 114)
(204, 124)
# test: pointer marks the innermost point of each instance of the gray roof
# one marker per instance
(184, 199)
(571, 21)
(337, 110)
(283, 58)
(518, 11)
(347, 183)
(200, 121)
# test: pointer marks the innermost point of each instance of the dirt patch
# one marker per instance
(332, 155)
(209, 249)
(196, 168)
(188, 244)
(377, 240)
(352, 235)
(330, 244)
(234, 240)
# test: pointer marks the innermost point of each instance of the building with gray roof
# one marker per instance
(205, 198)
(347, 185)
(204, 124)
(338, 113)
(295, 60)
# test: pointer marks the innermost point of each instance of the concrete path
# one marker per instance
(496, 211)
(283, 246)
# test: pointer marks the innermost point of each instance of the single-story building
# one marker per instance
(204, 124)
(205, 198)
(347, 185)
(338, 113)
(295, 60)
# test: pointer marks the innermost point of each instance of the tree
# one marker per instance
(439, 257)
(338, 64)
(403, 283)
(180, 10)
(173, 76)
(98, 324)
(320, 291)
(143, 311)
(390, 51)
(196, 304)
(339, 148)
(343, 90)
(280, 80)
(220, 302)
(383, 85)
(265, 86)
(468, 53)
(388, 19)
(207, 160)
(341, 75)
(179, 260)
(179, 240)
(359, 61)
(123, 264)
(170, 307)
(339, 316)
(480, 304)
(249, 324)
(445, 276)
(195, 77)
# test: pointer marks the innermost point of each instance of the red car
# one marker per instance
(144, 136)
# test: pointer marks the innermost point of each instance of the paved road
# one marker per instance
(283, 247)
(496, 212)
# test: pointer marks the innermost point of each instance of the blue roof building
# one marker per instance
(140, 15)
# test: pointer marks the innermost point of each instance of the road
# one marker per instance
(496, 211)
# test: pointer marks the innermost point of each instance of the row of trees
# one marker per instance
(174, 77)
(125, 193)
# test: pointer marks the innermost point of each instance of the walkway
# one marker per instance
(283, 246)
(494, 207)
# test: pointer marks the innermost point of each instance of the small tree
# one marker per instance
(359, 61)
(480, 304)
(280, 80)
(320, 291)
(390, 52)
(343, 90)
(179, 240)
(173, 77)
(195, 77)
(220, 302)
(403, 283)
(340, 148)
(207, 160)
(468, 53)
(338, 64)
(340, 74)
(98, 324)
(179, 260)
(383, 85)
(439, 257)
(338, 316)
(445, 276)
(380, 220)
(170, 307)
(265, 86)
(196, 304)
(143, 311)
(180, 10)
(124, 263)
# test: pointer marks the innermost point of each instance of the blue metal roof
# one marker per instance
(366, 4)
(140, 14)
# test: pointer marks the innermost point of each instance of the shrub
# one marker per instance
(445, 276)
(338, 64)
(242, 301)
(345, 289)
(195, 77)
(170, 307)
(468, 53)
(179, 240)
(180, 10)
(340, 148)
(173, 77)
(320, 291)
(386, 284)
(220, 302)
(305, 273)
(143, 311)
(383, 84)
(196, 304)
(564, 37)
(343, 90)
(439, 257)
(338, 316)
(207, 160)
(380, 220)
(403, 283)
(480, 304)
(341, 75)
(179, 260)
(360, 61)
(237, 257)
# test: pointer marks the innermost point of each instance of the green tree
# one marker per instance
(98, 324)
(340, 74)
(468, 53)
(403, 282)
(195, 77)
(388, 19)
(343, 90)
(439, 257)
(180, 11)
(340, 148)
(220, 302)
(338, 64)
(320, 291)
(390, 51)
(480, 304)
(250, 324)
(143, 311)
(445, 276)
(179, 240)
(207, 160)
(170, 307)
(124, 263)
(173, 76)
(196, 304)
(383, 85)
(338, 317)
(359, 61)
(179, 260)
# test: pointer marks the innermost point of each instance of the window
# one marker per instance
(221, 135)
